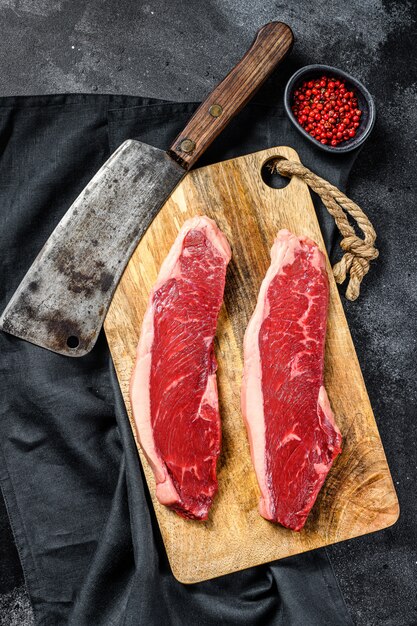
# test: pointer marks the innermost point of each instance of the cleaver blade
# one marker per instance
(62, 301)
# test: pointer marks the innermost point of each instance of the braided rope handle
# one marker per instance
(358, 253)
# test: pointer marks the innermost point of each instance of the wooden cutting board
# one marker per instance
(358, 496)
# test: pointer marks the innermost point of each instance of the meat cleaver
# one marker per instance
(63, 299)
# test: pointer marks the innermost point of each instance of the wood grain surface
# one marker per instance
(358, 496)
(271, 45)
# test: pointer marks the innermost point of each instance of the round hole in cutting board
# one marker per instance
(73, 342)
(273, 179)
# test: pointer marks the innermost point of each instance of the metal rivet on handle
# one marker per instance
(187, 145)
(215, 110)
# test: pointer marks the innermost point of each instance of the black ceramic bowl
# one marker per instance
(365, 103)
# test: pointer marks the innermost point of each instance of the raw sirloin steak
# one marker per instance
(173, 385)
(292, 433)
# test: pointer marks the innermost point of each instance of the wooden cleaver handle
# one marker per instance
(271, 45)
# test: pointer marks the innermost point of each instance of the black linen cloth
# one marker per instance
(78, 505)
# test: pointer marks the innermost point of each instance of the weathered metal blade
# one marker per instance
(62, 301)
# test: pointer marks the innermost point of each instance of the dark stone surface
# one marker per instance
(179, 50)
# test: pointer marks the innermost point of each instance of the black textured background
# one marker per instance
(178, 49)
